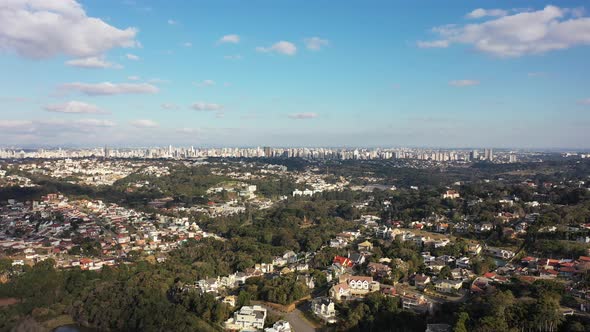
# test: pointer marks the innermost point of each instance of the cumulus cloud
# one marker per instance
(316, 43)
(15, 124)
(522, 33)
(462, 83)
(74, 107)
(53, 127)
(433, 44)
(202, 106)
(205, 83)
(302, 116)
(584, 101)
(95, 123)
(231, 39)
(281, 47)
(108, 88)
(132, 57)
(232, 57)
(92, 63)
(169, 106)
(133, 78)
(40, 29)
(480, 12)
(144, 123)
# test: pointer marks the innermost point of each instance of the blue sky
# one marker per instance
(295, 73)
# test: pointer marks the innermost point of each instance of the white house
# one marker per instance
(323, 307)
(247, 317)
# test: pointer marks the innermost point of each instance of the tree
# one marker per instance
(461, 324)
(445, 272)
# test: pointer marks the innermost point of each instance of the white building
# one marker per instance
(247, 317)
(280, 326)
(323, 307)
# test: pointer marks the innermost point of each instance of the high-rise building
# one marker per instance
(488, 154)
(513, 158)
(267, 151)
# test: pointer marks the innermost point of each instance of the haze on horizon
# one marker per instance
(291, 73)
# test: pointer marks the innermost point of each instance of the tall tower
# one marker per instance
(106, 152)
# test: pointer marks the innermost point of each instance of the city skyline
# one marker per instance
(223, 73)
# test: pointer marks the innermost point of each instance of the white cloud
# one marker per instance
(316, 43)
(433, 44)
(108, 88)
(144, 123)
(53, 127)
(73, 107)
(95, 123)
(480, 12)
(462, 83)
(523, 33)
(172, 22)
(133, 78)
(282, 47)
(188, 130)
(187, 44)
(302, 116)
(132, 57)
(15, 124)
(232, 39)
(205, 83)
(202, 106)
(169, 106)
(584, 101)
(41, 29)
(232, 57)
(92, 62)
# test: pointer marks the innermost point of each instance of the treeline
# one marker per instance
(517, 306)
(378, 313)
(126, 298)
(291, 225)
(283, 290)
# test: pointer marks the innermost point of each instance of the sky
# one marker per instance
(502, 74)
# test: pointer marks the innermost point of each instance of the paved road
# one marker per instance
(296, 319)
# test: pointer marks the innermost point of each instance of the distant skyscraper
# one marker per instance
(513, 158)
(474, 155)
(488, 154)
(106, 151)
(267, 151)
